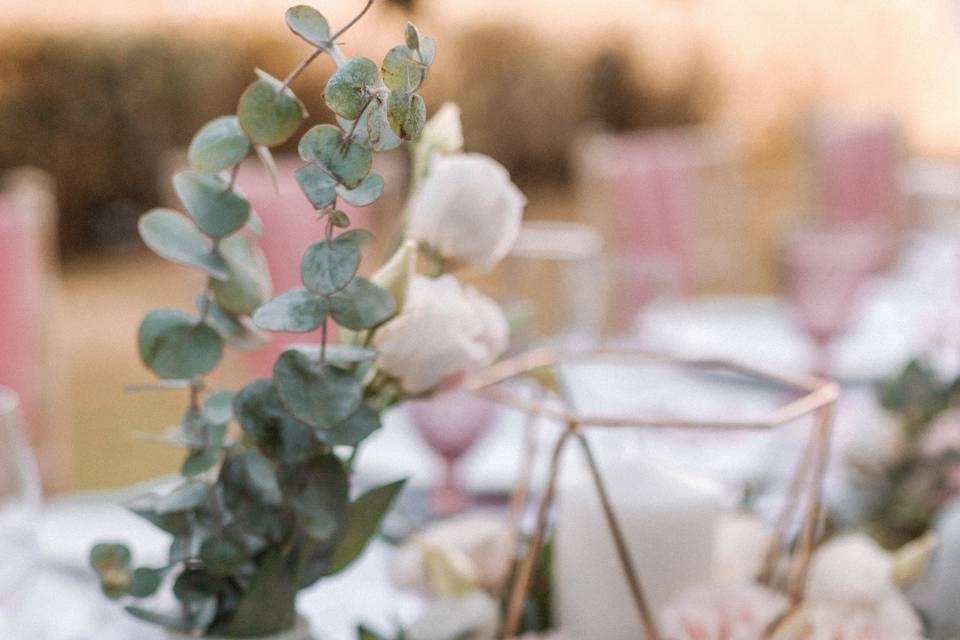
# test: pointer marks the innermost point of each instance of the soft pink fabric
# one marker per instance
(290, 226)
(21, 284)
(856, 169)
(655, 198)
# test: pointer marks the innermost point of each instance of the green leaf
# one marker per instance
(328, 267)
(344, 354)
(348, 161)
(166, 620)
(297, 311)
(362, 305)
(321, 396)
(317, 185)
(249, 285)
(411, 36)
(107, 556)
(347, 89)
(218, 408)
(400, 71)
(353, 430)
(265, 421)
(373, 129)
(268, 606)
(171, 235)
(174, 347)
(249, 477)
(178, 524)
(340, 219)
(318, 491)
(218, 211)
(360, 236)
(199, 461)
(309, 24)
(407, 114)
(428, 50)
(366, 194)
(196, 584)
(269, 117)
(363, 522)
(145, 581)
(189, 496)
(219, 145)
(222, 556)
(236, 330)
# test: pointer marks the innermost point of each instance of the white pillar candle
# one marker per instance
(669, 522)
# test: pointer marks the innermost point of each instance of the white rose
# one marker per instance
(443, 330)
(443, 133)
(467, 210)
(851, 570)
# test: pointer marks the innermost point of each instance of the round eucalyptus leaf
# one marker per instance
(218, 408)
(265, 421)
(407, 114)
(400, 71)
(248, 285)
(380, 134)
(411, 36)
(217, 210)
(222, 556)
(109, 555)
(428, 50)
(189, 496)
(267, 116)
(343, 354)
(360, 236)
(321, 396)
(219, 145)
(199, 462)
(196, 584)
(249, 479)
(175, 347)
(366, 194)
(353, 430)
(339, 219)
(317, 185)
(145, 581)
(347, 89)
(237, 331)
(309, 24)
(328, 267)
(362, 305)
(348, 161)
(319, 492)
(296, 311)
(171, 235)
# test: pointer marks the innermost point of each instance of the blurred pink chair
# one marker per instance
(290, 226)
(856, 166)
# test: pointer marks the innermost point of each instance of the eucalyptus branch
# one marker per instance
(300, 69)
(350, 24)
(233, 177)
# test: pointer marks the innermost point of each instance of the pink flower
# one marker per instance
(722, 612)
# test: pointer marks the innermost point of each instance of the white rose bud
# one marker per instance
(394, 276)
(443, 330)
(467, 210)
(443, 133)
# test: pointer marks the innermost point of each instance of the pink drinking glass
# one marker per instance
(451, 422)
(824, 268)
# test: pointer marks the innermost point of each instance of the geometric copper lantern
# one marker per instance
(787, 564)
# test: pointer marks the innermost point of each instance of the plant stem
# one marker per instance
(233, 177)
(300, 69)
(334, 37)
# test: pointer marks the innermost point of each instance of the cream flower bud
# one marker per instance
(467, 210)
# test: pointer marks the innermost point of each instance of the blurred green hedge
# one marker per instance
(102, 111)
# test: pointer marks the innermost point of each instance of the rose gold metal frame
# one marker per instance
(818, 396)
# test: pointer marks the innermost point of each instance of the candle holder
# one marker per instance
(785, 567)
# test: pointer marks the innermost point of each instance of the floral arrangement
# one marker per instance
(913, 469)
(264, 507)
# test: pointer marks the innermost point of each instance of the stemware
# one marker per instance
(19, 505)
(824, 268)
(451, 423)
